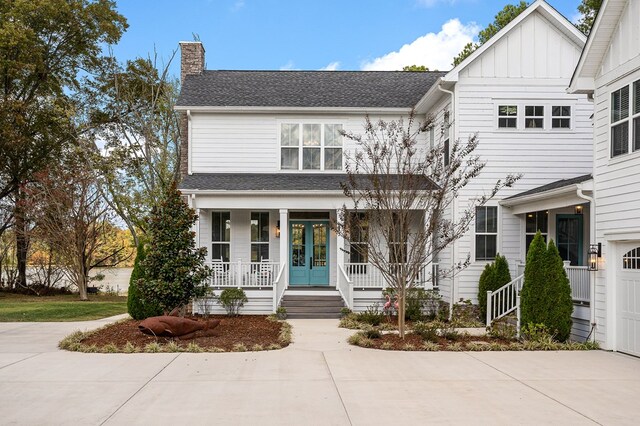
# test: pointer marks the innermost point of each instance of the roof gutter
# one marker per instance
(297, 110)
(510, 202)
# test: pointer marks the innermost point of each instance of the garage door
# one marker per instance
(628, 313)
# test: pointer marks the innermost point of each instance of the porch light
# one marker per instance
(595, 251)
(578, 210)
(278, 229)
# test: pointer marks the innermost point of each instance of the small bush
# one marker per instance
(386, 346)
(420, 304)
(455, 347)
(232, 299)
(430, 346)
(345, 312)
(502, 330)
(239, 347)
(428, 331)
(371, 333)
(350, 321)
(153, 347)
(372, 315)
(494, 276)
(536, 332)
(139, 309)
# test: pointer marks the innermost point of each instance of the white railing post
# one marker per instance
(489, 310)
(518, 315)
(239, 274)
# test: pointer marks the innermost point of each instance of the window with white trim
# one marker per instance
(620, 121)
(259, 236)
(534, 222)
(310, 146)
(221, 236)
(636, 116)
(507, 116)
(534, 117)
(486, 232)
(631, 259)
(561, 117)
(359, 239)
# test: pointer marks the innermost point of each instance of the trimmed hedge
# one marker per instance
(494, 276)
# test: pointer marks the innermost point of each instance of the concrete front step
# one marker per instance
(323, 304)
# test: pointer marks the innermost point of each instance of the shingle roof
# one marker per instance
(267, 182)
(553, 185)
(364, 89)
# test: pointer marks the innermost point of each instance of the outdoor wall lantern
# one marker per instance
(578, 210)
(278, 229)
(595, 251)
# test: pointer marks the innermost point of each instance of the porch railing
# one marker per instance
(504, 300)
(279, 286)
(365, 275)
(244, 274)
(345, 287)
(578, 280)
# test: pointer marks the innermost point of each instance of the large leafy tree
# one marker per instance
(131, 109)
(589, 10)
(44, 45)
(501, 20)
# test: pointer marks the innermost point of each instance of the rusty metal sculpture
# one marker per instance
(181, 328)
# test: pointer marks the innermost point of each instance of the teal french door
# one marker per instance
(569, 237)
(309, 253)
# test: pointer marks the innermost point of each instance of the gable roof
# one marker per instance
(305, 89)
(540, 6)
(600, 37)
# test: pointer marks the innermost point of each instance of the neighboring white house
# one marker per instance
(264, 159)
(609, 73)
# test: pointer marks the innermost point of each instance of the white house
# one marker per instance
(609, 73)
(263, 159)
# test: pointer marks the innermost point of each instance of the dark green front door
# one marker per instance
(309, 248)
(569, 237)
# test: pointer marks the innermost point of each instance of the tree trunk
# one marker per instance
(401, 313)
(22, 238)
(82, 286)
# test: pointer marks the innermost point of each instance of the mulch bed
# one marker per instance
(392, 341)
(247, 330)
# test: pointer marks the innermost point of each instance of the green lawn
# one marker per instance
(17, 307)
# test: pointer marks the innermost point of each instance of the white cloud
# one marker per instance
(575, 18)
(436, 51)
(239, 4)
(333, 66)
(432, 3)
(289, 66)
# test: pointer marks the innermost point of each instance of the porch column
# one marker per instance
(284, 243)
(339, 245)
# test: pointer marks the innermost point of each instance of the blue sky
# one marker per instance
(311, 34)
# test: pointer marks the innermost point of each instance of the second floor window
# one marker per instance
(310, 146)
(507, 116)
(620, 121)
(561, 117)
(534, 117)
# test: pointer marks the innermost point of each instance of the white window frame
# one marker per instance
(497, 234)
(498, 116)
(561, 117)
(322, 147)
(221, 242)
(534, 117)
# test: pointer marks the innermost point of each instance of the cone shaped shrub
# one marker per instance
(494, 276)
(558, 319)
(137, 308)
(174, 270)
(533, 300)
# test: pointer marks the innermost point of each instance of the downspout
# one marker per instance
(592, 232)
(189, 142)
(452, 123)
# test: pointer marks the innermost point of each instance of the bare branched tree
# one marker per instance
(73, 218)
(400, 193)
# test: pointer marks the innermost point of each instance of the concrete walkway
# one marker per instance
(318, 380)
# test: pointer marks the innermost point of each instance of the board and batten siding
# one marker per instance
(617, 191)
(531, 65)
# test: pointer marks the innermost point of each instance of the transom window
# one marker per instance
(259, 236)
(561, 117)
(536, 221)
(310, 146)
(631, 259)
(534, 117)
(221, 236)
(486, 232)
(507, 116)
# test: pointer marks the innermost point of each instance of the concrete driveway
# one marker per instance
(318, 380)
